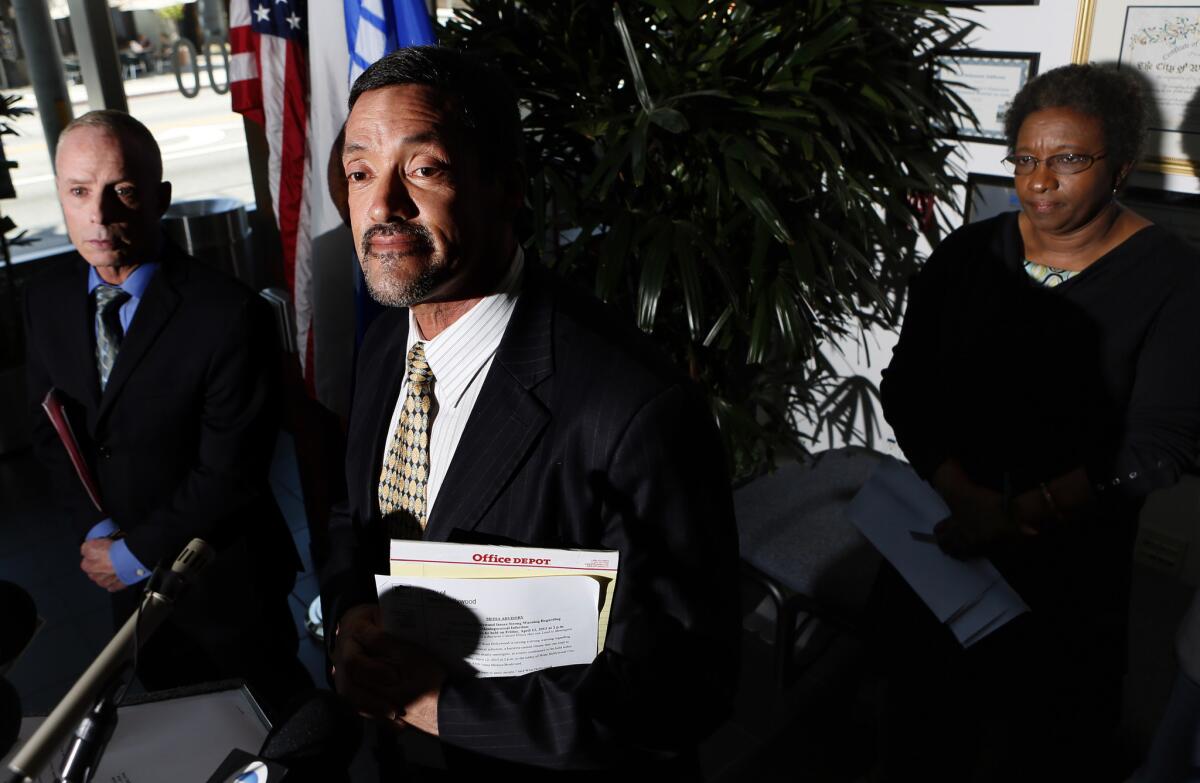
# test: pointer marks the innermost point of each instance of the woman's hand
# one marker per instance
(980, 521)
(978, 524)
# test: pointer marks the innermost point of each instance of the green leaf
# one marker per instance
(669, 119)
(689, 279)
(638, 150)
(760, 332)
(635, 68)
(718, 326)
(751, 192)
(655, 257)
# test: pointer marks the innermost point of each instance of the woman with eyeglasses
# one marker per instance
(1046, 379)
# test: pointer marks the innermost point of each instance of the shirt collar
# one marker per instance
(135, 285)
(457, 354)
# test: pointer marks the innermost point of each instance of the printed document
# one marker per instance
(498, 627)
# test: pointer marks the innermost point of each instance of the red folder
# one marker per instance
(54, 410)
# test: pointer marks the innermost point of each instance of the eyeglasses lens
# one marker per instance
(1068, 164)
(1059, 164)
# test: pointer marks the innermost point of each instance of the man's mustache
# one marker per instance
(413, 230)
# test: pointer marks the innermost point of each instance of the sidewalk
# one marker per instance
(154, 84)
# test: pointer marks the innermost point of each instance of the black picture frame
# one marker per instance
(992, 127)
(988, 195)
(1177, 212)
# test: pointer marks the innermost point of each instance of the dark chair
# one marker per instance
(801, 552)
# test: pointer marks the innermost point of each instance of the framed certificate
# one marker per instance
(1160, 41)
(1179, 213)
(988, 196)
(987, 82)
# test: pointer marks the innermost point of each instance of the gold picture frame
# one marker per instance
(1108, 31)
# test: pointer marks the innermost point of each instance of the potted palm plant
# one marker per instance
(737, 177)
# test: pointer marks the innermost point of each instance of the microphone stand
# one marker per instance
(161, 593)
(92, 736)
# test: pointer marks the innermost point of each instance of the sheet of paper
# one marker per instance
(469, 561)
(984, 616)
(499, 627)
(895, 501)
(890, 507)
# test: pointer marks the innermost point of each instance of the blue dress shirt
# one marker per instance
(129, 569)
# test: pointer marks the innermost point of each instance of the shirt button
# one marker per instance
(141, 572)
(1133, 475)
(104, 451)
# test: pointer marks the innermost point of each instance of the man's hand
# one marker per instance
(97, 564)
(383, 676)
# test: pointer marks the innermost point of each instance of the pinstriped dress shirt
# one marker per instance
(459, 358)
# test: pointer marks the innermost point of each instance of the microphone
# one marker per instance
(10, 716)
(318, 740)
(161, 595)
(21, 623)
(315, 743)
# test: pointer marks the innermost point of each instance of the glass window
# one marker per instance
(202, 140)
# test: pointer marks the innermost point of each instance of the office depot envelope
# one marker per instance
(439, 559)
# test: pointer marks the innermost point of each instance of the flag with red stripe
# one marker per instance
(269, 86)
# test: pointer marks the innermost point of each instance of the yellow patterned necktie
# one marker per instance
(405, 473)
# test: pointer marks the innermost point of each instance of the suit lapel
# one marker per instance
(155, 310)
(386, 379)
(78, 340)
(507, 418)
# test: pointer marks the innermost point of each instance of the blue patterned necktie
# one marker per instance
(108, 328)
(405, 474)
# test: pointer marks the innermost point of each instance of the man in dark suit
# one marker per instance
(166, 371)
(493, 403)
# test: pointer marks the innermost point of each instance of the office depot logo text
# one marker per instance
(479, 558)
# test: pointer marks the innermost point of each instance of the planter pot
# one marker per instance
(14, 412)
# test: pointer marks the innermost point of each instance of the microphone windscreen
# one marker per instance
(319, 737)
(10, 716)
(20, 623)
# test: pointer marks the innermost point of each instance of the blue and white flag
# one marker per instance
(376, 27)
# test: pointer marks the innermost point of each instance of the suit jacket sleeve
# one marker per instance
(69, 492)
(237, 427)
(666, 675)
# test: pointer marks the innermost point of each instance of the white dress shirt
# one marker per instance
(459, 358)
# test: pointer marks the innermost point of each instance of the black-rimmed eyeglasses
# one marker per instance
(1065, 163)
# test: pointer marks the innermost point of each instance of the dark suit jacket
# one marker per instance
(582, 437)
(181, 439)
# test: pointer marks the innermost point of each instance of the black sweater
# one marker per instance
(1014, 378)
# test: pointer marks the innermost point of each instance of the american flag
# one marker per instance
(269, 85)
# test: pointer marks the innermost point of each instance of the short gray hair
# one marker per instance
(129, 130)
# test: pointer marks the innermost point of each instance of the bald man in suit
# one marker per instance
(167, 371)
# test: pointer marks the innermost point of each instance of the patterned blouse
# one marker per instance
(1049, 276)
